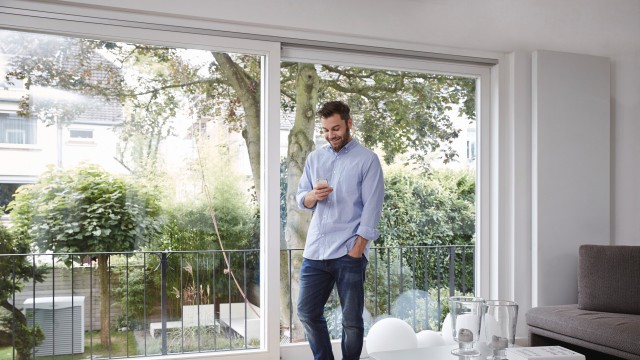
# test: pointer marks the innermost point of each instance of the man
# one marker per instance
(342, 183)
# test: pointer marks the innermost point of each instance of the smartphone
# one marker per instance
(322, 181)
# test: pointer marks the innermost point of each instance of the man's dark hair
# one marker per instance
(331, 108)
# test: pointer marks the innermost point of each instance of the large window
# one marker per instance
(162, 218)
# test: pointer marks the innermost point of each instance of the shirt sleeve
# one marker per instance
(304, 186)
(372, 199)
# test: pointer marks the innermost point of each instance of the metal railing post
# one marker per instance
(452, 266)
(163, 299)
(290, 296)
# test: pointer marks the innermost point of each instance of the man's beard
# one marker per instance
(343, 141)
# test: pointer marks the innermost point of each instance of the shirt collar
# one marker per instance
(345, 149)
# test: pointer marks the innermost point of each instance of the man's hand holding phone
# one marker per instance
(322, 189)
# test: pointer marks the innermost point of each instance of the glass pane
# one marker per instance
(423, 128)
(143, 216)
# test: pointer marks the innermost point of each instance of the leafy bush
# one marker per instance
(85, 209)
(15, 271)
(433, 210)
(130, 292)
(189, 228)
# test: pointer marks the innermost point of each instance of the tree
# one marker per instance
(398, 112)
(15, 272)
(86, 210)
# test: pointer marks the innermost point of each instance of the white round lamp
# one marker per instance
(391, 334)
(428, 338)
(447, 330)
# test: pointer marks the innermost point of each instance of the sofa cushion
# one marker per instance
(609, 278)
(607, 330)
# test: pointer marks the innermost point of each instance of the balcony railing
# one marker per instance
(160, 303)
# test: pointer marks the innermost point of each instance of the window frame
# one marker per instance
(270, 93)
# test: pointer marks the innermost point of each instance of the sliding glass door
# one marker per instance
(144, 195)
(424, 120)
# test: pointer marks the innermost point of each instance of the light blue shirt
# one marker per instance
(353, 208)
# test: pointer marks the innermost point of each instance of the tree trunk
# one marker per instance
(248, 91)
(103, 273)
(300, 145)
(14, 311)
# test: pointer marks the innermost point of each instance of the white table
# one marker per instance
(425, 353)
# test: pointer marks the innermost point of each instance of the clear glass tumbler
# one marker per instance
(466, 319)
(500, 318)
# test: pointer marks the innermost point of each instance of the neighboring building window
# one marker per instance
(17, 130)
(77, 134)
(6, 194)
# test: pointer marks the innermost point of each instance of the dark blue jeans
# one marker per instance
(317, 278)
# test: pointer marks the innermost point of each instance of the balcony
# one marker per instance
(167, 303)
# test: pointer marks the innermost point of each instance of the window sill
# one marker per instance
(31, 147)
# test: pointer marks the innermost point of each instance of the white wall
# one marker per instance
(570, 171)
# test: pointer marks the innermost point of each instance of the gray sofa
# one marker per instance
(605, 323)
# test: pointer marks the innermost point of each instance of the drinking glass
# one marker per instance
(500, 317)
(466, 319)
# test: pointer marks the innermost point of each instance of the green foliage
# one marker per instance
(194, 278)
(15, 272)
(130, 293)
(197, 338)
(189, 227)
(27, 337)
(17, 330)
(398, 112)
(85, 209)
(420, 212)
(436, 209)
(433, 210)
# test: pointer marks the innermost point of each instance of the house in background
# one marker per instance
(28, 146)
